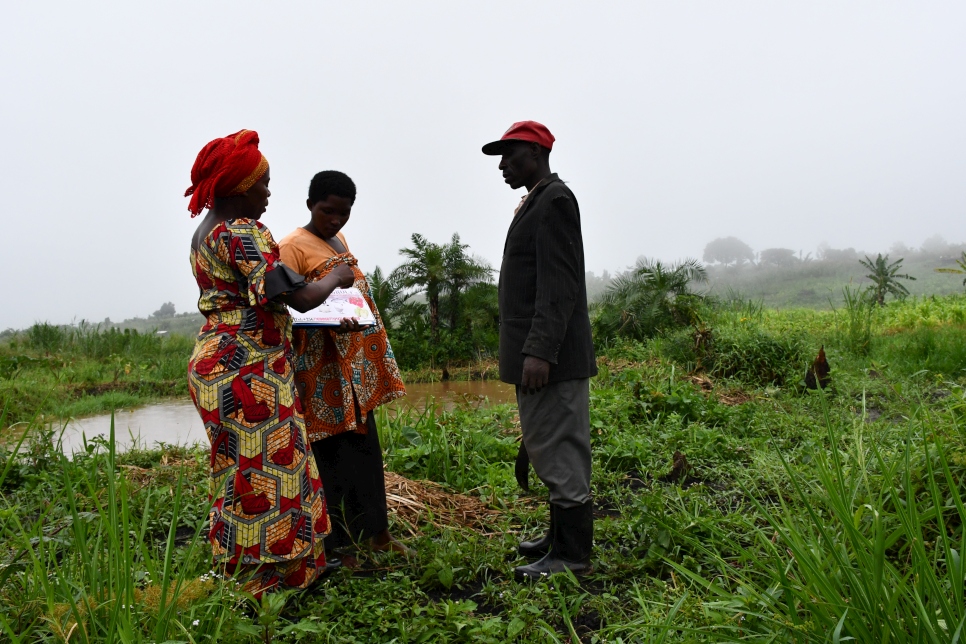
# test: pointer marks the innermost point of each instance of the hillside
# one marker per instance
(811, 284)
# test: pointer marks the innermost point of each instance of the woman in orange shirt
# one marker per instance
(342, 375)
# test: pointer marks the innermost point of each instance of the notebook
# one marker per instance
(342, 303)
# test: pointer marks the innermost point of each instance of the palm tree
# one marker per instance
(885, 278)
(650, 297)
(961, 262)
(462, 271)
(387, 293)
(424, 272)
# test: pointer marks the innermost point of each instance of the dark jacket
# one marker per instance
(543, 292)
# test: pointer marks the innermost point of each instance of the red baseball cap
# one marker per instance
(521, 131)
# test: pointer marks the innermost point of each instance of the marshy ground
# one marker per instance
(732, 503)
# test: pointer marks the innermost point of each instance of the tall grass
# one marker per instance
(856, 328)
(938, 349)
(87, 567)
(865, 549)
(458, 448)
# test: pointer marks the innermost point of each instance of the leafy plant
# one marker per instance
(650, 298)
(961, 262)
(387, 293)
(885, 277)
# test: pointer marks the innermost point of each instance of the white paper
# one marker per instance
(342, 303)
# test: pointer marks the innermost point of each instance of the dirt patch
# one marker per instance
(418, 502)
(701, 381)
(637, 480)
(732, 397)
(605, 508)
(616, 365)
(167, 472)
(729, 397)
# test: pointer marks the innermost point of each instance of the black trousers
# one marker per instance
(350, 466)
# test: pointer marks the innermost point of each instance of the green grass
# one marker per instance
(804, 516)
(59, 372)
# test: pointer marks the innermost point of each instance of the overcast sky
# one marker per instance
(784, 124)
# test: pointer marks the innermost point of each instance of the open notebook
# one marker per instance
(342, 303)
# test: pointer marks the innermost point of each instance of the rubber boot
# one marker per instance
(540, 547)
(573, 541)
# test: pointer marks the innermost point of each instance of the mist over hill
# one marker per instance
(786, 278)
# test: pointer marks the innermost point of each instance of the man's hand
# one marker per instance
(536, 374)
(348, 325)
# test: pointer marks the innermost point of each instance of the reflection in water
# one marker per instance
(448, 394)
(178, 423)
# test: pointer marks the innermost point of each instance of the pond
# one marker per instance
(178, 423)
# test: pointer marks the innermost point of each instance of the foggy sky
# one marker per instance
(784, 124)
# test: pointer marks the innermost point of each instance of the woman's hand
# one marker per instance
(348, 325)
(343, 276)
(311, 295)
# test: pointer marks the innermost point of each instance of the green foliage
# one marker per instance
(458, 321)
(91, 567)
(961, 262)
(424, 272)
(937, 349)
(756, 356)
(387, 293)
(801, 517)
(651, 298)
(868, 548)
(885, 277)
(65, 371)
(857, 326)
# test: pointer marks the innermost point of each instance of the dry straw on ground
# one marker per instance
(418, 502)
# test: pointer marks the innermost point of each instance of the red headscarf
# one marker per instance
(225, 167)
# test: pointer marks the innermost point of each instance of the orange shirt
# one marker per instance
(305, 252)
(338, 375)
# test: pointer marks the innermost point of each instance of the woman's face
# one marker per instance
(258, 195)
(330, 215)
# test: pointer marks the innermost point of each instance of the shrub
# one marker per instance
(757, 357)
(649, 299)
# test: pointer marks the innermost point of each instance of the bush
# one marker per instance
(756, 356)
(649, 299)
(749, 354)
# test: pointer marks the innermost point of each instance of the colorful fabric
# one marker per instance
(335, 372)
(305, 252)
(268, 510)
(225, 167)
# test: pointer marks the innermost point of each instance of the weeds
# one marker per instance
(800, 517)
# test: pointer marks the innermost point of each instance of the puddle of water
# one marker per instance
(448, 394)
(175, 423)
(178, 423)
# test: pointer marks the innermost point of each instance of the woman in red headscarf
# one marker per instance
(268, 515)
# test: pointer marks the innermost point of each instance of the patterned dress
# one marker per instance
(340, 373)
(268, 517)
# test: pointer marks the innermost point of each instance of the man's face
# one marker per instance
(518, 163)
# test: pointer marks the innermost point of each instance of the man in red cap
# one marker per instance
(546, 348)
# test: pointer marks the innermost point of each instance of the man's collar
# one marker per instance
(550, 178)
